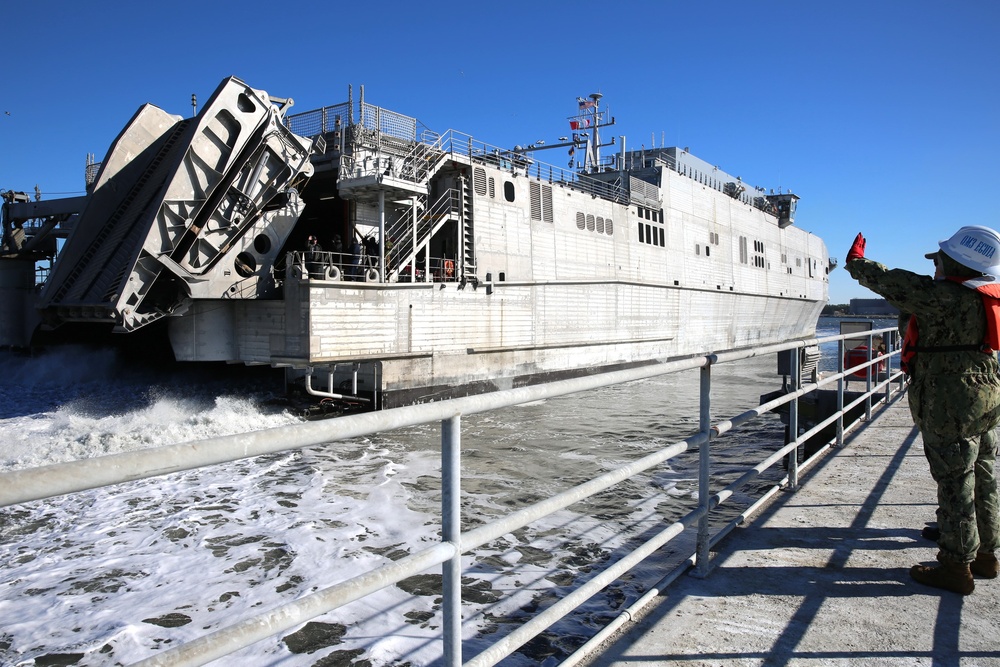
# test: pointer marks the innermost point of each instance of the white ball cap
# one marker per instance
(976, 247)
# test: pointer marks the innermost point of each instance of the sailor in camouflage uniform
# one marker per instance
(951, 325)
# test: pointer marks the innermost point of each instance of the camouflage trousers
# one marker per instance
(968, 514)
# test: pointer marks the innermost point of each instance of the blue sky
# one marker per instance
(882, 115)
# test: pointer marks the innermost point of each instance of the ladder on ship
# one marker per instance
(468, 267)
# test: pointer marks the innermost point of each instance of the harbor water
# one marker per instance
(111, 575)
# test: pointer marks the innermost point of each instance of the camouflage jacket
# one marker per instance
(952, 394)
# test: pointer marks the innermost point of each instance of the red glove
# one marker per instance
(858, 249)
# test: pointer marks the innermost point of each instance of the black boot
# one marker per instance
(985, 565)
(955, 577)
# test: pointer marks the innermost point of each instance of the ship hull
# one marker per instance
(420, 343)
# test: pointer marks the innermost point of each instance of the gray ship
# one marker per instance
(380, 263)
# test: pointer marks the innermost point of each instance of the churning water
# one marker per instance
(112, 575)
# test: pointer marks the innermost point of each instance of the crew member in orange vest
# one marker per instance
(950, 325)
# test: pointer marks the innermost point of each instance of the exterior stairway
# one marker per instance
(380, 165)
(413, 230)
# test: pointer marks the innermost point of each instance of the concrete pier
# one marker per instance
(821, 577)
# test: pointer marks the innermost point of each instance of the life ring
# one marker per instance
(371, 275)
(332, 273)
(449, 268)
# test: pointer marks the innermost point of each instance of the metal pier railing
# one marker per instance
(37, 483)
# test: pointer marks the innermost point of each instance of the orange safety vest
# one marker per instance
(989, 290)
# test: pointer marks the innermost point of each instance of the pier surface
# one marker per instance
(821, 577)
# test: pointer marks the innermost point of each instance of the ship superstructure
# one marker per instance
(373, 258)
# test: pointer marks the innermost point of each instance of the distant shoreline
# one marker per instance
(883, 316)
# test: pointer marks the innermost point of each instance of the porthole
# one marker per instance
(262, 244)
(245, 264)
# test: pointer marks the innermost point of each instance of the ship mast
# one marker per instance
(591, 116)
(588, 117)
(596, 111)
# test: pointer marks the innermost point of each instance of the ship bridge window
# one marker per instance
(508, 191)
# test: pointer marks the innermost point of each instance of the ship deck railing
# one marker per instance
(396, 134)
(344, 266)
(27, 485)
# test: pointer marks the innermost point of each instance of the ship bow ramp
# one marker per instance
(182, 209)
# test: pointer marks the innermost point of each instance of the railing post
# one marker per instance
(704, 468)
(888, 341)
(840, 393)
(868, 381)
(451, 531)
(793, 421)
